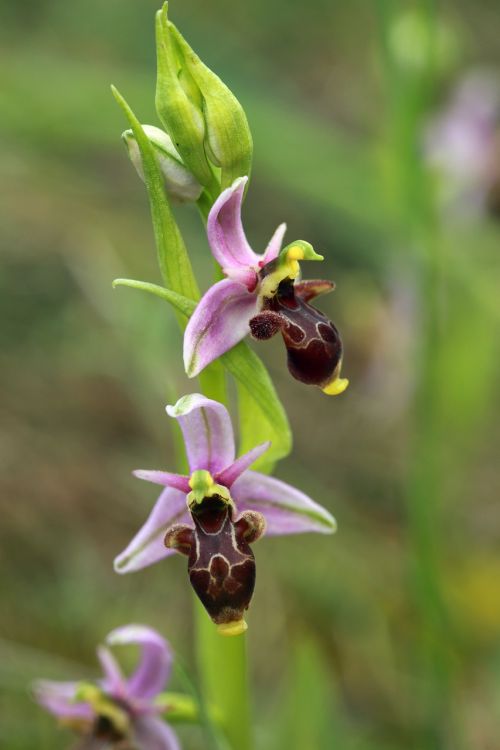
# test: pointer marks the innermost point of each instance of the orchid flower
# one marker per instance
(216, 513)
(262, 295)
(115, 711)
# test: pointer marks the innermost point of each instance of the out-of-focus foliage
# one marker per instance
(85, 371)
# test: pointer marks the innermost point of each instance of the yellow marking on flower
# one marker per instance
(336, 386)
(295, 253)
(204, 486)
(201, 479)
(237, 627)
(102, 705)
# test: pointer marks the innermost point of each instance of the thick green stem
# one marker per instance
(222, 664)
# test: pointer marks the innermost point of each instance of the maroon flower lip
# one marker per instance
(221, 564)
(313, 343)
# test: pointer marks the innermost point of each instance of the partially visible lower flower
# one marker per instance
(116, 712)
(262, 295)
(215, 514)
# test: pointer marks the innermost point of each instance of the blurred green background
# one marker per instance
(386, 636)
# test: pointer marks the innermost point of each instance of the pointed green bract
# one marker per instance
(178, 302)
(173, 258)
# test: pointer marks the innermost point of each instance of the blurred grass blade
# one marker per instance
(309, 716)
(173, 258)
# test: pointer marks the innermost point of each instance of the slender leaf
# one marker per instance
(256, 389)
(173, 257)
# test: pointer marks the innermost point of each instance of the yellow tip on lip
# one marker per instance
(295, 253)
(237, 627)
(335, 387)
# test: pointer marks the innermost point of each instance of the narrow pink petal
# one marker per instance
(114, 682)
(58, 697)
(231, 473)
(164, 478)
(225, 233)
(208, 432)
(274, 246)
(286, 509)
(155, 665)
(152, 733)
(147, 545)
(220, 321)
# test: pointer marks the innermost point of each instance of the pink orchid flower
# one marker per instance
(116, 711)
(262, 295)
(216, 513)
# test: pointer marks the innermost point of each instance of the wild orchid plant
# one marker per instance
(216, 511)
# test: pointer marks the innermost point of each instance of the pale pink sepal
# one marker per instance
(220, 321)
(155, 663)
(152, 733)
(207, 430)
(147, 545)
(286, 509)
(59, 699)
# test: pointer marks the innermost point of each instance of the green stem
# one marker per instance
(222, 664)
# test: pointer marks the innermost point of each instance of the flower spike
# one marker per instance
(223, 509)
(262, 295)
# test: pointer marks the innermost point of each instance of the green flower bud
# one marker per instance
(178, 104)
(228, 141)
(180, 184)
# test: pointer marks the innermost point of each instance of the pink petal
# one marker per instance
(220, 321)
(231, 473)
(273, 249)
(208, 432)
(114, 682)
(286, 509)
(151, 733)
(147, 545)
(164, 478)
(57, 697)
(225, 230)
(155, 665)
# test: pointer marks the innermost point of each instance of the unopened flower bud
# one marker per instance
(178, 104)
(180, 183)
(228, 141)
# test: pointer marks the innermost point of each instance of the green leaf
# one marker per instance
(173, 258)
(262, 416)
(178, 301)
